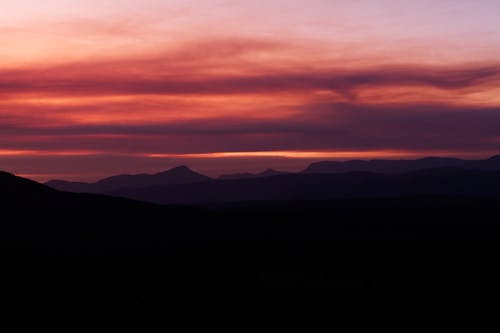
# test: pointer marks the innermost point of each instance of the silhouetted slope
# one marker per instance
(36, 217)
(76, 187)
(445, 181)
(384, 166)
(402, 166)
(492, 163)
(179, 175)
(265, 173)
(15, 189)
(243, 175)
(271, 173)
(82, 252)
(183, 175)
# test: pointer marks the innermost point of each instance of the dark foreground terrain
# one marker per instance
(81, 252)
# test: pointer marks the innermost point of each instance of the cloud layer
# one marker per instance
(85, 97)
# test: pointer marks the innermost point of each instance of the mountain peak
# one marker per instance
(5, 174)
(494, 158)
(181, 168)
(178, 175)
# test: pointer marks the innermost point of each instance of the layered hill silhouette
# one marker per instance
(179, 175)
(369, 255)
(246, 175)
(313, 187)
(320, 181)
(16, 188)
(400, 166)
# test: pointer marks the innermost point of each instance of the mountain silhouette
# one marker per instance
(178, 175)
(492, 163)
(17, 189)
(373, 255)
(123, 184)
(327, 186)
(246, 175)
(383, 166)
(401, 166)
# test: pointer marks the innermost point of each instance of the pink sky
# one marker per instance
(92, 88)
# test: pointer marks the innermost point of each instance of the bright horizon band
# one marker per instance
(89, 88)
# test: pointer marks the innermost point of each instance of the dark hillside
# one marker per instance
(63, 251)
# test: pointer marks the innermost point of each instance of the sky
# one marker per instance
(92, 88)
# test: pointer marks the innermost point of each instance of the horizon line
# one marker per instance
(282, 154)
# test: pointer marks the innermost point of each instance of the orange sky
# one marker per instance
(92, 88)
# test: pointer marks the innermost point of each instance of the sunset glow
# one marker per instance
(91, 87)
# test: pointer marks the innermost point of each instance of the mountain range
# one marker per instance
(247, 175)
(400, 166)
(320, 181)
(346, 243)
(320, 187)
(178, 175)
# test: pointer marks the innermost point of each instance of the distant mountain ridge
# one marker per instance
(401, 166)
(124, 185)
(328, 186)
(74, 251)
(247, 175)
(178, 175)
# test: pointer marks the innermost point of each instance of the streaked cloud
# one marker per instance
(90, 87)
